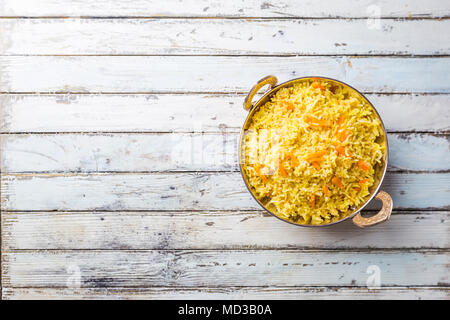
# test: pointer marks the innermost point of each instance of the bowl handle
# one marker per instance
(271, 80)
(383, 215)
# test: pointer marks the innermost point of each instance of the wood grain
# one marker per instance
(213, 230)
(103, 107)
(150, 74)
(179, 152)
(231, 293)
(231, 8)
(223, 37)
(183, 191)
(187, 112)
(100, 269)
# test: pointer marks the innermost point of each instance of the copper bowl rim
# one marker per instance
(257, 104)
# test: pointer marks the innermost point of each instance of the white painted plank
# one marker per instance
(183, 191)
(178, 152)
(187, 112)
(223, 37)
(231, 293)
(230, 8)
(215, 74)
(188, 230)
(222, 268)
(419, 152)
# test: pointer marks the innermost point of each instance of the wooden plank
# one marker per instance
(149, 74)
(232, 8)
(178, 152)
(187, 112)
(183, 191)
(188, 230)
(238, 293)
(222, 268)
(223, 37)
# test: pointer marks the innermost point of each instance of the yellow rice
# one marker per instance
(318, 120)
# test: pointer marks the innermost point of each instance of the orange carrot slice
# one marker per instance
(282, 169)
(317, 154)
(317, 122)
(337, 182)
(289, 106)
(325, 190)
(313, 200)
(343, 135)
(318, 85)
(363, 181)
(294, 159)
(318, 160)
(315, 165)
(364, 166)
(257, 168)
(343, 151)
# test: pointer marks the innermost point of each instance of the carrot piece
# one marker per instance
(341, 120)
(343, 135)
(289, 106)
(363, 181)
(315, 165)
(318, 85)
(343, 151)
(325, 190)
(364, 166)
(282, 169)
(294, 159)
(318, 160)
(257, 168)
(317, 122)
(337, 182)
(317, 154)
(313, 200)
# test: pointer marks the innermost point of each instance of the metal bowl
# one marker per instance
(380, 171)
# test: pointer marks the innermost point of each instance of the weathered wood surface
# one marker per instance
(224, 37)
(200, 268)
(150, 74)
(230, 293)
(90, 180)
(231, 8)
(213, 230)
(183, 191)
(179, 152)
(187, 112)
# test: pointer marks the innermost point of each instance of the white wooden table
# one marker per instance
(119, 121)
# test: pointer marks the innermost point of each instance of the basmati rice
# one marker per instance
(311, 152)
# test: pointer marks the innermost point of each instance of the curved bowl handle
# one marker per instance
(272, 80)
(383, 215)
